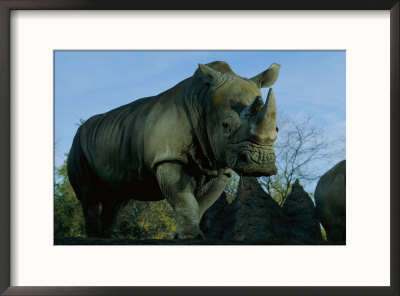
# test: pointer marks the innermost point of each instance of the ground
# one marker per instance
(99, 241)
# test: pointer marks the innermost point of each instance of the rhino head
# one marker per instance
(240, 127)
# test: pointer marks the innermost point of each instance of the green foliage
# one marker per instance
(323, 233)
(151, 220)
(81, 121)
(158, 220)
(127, 225)
(231, 187)
(68, 217)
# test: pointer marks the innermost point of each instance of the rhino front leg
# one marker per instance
(210, 192)
(178, 189)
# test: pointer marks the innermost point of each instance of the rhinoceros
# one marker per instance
(330, 202)
(181, 145)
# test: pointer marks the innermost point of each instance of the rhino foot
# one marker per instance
(189, 234)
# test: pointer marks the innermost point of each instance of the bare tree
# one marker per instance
(302, 150)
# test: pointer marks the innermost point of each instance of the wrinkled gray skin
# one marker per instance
(330, 202)
(181, 145)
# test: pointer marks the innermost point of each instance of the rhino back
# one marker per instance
(112, 143)
(331, 187)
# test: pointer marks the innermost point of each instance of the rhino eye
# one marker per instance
(226, 127)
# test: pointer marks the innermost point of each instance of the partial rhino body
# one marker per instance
(330, 202)
(181, 145)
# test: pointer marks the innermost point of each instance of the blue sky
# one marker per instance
(310, 84)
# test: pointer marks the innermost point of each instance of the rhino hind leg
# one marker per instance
(336, 231)
(178, 189)
(337, 235)
(108, 217)
(91, 213)
(333, 222)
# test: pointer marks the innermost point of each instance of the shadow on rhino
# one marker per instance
(181, 145)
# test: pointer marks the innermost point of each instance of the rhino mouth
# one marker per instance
(255, 160)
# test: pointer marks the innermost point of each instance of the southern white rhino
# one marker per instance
(330, 202)
(181, 145)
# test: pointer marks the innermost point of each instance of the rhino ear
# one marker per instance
(268, 77)
(208, 74)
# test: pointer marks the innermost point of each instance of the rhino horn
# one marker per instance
(264, 122)
(253, 108)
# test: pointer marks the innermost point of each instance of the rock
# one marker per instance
(253, 215)
(301, 215)
(214, 219)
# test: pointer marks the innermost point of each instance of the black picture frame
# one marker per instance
(7, 6)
